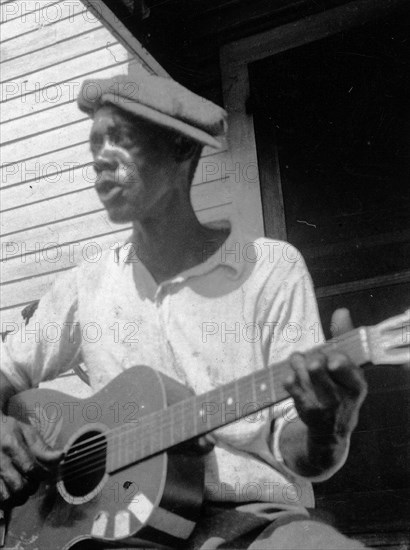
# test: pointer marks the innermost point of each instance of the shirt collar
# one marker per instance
(229, 256)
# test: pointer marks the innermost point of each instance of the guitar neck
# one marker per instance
(201, 414)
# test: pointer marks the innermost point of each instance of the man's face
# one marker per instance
(134, 169)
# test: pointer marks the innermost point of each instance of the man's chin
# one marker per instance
(124, 213)
(116, 216)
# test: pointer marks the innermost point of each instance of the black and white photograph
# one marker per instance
(205, 274)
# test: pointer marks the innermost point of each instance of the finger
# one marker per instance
(396, 322)
(31, 486)
(299, 384)
(341, 322)
(4, 492)
(19, 454)
(323, 385)
(39, 448)
(344, 373)
(206, 443)
(11, 477)
(301, 376)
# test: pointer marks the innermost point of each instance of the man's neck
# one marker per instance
(173, 243)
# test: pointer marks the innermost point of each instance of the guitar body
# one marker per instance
(155, 502)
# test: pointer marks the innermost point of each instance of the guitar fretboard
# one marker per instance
(201, 414)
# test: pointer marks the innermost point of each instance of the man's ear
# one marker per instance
(185, 148)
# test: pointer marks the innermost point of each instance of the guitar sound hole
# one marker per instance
(83, 467)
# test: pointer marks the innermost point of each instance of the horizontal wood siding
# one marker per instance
(51, 218)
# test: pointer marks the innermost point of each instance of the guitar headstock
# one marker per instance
(389, 341)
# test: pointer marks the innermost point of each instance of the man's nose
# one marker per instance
(106, 158)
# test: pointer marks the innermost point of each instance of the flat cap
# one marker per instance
(159, 100)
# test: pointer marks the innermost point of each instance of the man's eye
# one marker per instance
(123, 136)
(126, 139)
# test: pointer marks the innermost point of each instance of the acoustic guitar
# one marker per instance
(128, 477)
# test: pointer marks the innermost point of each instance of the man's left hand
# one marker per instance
(328, 391)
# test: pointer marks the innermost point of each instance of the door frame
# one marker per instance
(250, 192)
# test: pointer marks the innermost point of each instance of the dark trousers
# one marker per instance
(262, 526)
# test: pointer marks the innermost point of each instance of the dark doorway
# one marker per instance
(339, 112)
(332, 126)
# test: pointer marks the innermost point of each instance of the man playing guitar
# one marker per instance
(202, 304)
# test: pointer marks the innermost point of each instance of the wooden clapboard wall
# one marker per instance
(51, 217)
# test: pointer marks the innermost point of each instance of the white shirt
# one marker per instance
(248, 305)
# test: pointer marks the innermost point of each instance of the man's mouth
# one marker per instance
(108, 190)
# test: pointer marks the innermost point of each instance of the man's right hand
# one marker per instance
(25, 459)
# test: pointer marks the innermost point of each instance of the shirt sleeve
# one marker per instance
(295, 319)
(47, 343)
(287, 306)
(297, 327)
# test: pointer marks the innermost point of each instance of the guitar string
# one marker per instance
(58, 477)
(103, 461)
(148, 427)
(136, 443)
(246, 380)
(79, 457)
(343, 342)
(101, 445)
(135, 448)
(96, 469)
(152, 418)
(145, 430)
(149, 423)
